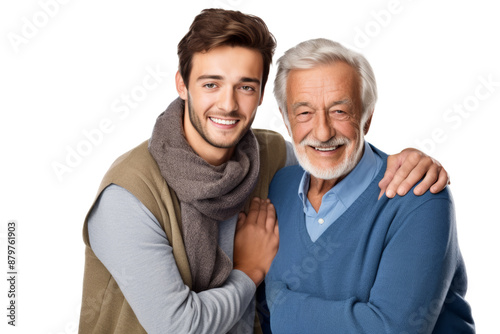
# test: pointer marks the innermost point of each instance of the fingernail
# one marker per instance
(390, 193)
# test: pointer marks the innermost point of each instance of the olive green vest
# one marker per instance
(104, 308)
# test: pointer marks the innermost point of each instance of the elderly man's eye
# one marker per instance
(340, 114)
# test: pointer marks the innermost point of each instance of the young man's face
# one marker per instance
(222, 98)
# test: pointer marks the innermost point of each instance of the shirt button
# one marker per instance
(321, 221)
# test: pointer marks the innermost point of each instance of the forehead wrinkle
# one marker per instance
(301, 104)
(297, 105)
(309, 88)
(344, 101)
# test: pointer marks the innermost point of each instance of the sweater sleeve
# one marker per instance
(128, 240)
(414, 275)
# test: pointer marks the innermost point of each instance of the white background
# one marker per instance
(68, 66)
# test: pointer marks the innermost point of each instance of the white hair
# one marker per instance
(323, 51)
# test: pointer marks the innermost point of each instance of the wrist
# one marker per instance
(256, 275)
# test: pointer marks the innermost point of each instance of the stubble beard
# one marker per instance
(196, 122)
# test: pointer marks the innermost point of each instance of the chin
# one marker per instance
(339, 170)
(326, 173)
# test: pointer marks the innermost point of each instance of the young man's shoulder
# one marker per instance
(134, 156)
(267, 137)
(272, 151)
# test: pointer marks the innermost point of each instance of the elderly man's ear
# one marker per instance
(367, 125)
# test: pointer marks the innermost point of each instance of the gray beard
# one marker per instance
(345, 167)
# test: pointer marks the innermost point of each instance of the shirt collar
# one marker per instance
(350, 187)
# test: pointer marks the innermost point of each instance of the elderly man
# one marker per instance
(161, 252)
(347, 262)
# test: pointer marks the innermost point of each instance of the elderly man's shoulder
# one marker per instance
(428, 213)
(410, 198)
(427, 206)
(285, 181)
(288, 176)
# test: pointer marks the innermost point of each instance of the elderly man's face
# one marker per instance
(324, 109)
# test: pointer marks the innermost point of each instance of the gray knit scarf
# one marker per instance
(207, 194)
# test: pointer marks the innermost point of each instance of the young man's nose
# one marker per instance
(227, 100)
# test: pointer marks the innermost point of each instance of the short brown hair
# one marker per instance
(217, 27)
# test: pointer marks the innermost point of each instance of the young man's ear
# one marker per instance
(180, 86)
(261, 97)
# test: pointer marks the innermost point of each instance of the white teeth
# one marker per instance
(222, 121)
(326, 148)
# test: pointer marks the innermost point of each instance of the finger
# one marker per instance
(392, 167)
(429, 179)
(401, 175)
(270, 217)
(384, 183)
(253, 211)
(241, 220)
(261, 219)
(424, 167)
(442, 181)
(276, 230)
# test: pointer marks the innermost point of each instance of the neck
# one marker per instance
(318, 188)
(215, 156)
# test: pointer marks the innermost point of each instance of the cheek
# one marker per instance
(249, 104)
(351, 130)
(201, 102)
(299, 132)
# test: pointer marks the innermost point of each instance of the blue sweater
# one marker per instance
(384, 266)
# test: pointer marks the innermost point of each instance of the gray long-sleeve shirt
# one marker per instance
(129, 241)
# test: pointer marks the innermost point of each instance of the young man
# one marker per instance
(162, 255)
(347, 262)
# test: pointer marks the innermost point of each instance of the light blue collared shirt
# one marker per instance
(338, 199)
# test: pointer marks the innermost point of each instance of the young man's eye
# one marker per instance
(248, 88)
(210, 85)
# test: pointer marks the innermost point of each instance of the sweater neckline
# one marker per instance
(345, 218)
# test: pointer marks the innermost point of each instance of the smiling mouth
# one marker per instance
(326, 149)
(223, 121)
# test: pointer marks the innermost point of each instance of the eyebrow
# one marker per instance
(297, 105)
(220, 77)
(208, 76)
